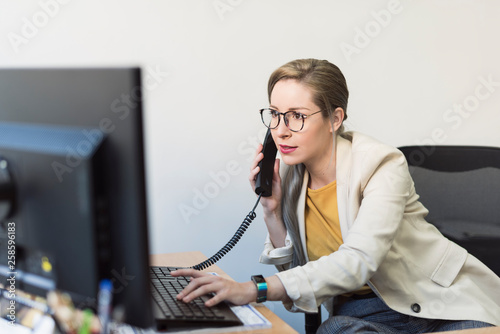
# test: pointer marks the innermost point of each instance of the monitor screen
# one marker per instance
(72, 185)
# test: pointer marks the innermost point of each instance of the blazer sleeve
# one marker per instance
(379, 187)
(280, 257)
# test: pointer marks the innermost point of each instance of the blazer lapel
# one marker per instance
(301, 209)
(343, 170)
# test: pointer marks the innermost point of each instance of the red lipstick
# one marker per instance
(287, 149)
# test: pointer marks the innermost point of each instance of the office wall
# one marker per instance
(419, 72)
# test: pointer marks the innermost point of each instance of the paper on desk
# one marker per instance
(251, 318)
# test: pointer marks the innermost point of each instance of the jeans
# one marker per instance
(372, 315)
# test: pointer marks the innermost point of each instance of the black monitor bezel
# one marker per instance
(109, 99)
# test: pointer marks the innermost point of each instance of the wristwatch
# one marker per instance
(261, 284)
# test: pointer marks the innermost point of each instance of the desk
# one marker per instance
(192, 258)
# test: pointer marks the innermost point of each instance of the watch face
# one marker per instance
(258, 279)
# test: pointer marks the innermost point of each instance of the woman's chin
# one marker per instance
(290, 161)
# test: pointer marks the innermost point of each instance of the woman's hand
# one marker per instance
(269, 204)
(224, 289)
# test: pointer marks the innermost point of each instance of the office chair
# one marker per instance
(312, 321)
(460, 186)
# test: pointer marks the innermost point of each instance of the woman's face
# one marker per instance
(313, 144)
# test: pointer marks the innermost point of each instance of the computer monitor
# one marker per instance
(72, 185)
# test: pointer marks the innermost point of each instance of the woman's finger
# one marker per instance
(198, 287)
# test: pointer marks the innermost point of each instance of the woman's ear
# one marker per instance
(338, 118)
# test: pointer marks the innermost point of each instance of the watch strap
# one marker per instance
(261, 285)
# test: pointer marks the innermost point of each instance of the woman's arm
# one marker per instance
(226, 289)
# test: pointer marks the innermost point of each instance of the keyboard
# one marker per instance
(171, 313)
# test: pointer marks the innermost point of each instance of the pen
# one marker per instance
(104, 303)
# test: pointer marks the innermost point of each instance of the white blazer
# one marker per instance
(388, 244)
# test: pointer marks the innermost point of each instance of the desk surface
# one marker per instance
(192, 258)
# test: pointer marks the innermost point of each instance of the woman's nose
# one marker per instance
(282, 130)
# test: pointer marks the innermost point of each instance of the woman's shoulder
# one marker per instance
(360, 142)
(368, 153)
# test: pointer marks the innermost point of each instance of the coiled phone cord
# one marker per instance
(232, 242)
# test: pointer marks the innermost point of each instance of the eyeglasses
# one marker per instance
(293, 120)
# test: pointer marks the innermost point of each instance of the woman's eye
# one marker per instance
(297, 115)
(274, 113)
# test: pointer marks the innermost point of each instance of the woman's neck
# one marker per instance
(322, 174)
(322, 171)
(318, 180)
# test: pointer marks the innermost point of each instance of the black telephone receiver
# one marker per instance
(263, 188)
(264, 181)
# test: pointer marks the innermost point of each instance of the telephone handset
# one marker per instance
(263, 188)
(264, 181)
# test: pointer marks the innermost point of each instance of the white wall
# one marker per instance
(411, 66)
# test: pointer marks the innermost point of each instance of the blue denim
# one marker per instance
(372, 315)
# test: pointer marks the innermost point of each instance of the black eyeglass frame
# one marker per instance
(285, 119)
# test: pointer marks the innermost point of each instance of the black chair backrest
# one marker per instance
(460, 186)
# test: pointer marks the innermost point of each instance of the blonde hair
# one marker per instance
(329, 89)
(324, 79)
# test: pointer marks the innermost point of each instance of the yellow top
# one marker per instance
(323, 235)
(322, 221)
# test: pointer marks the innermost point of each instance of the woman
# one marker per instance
(346, 228)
